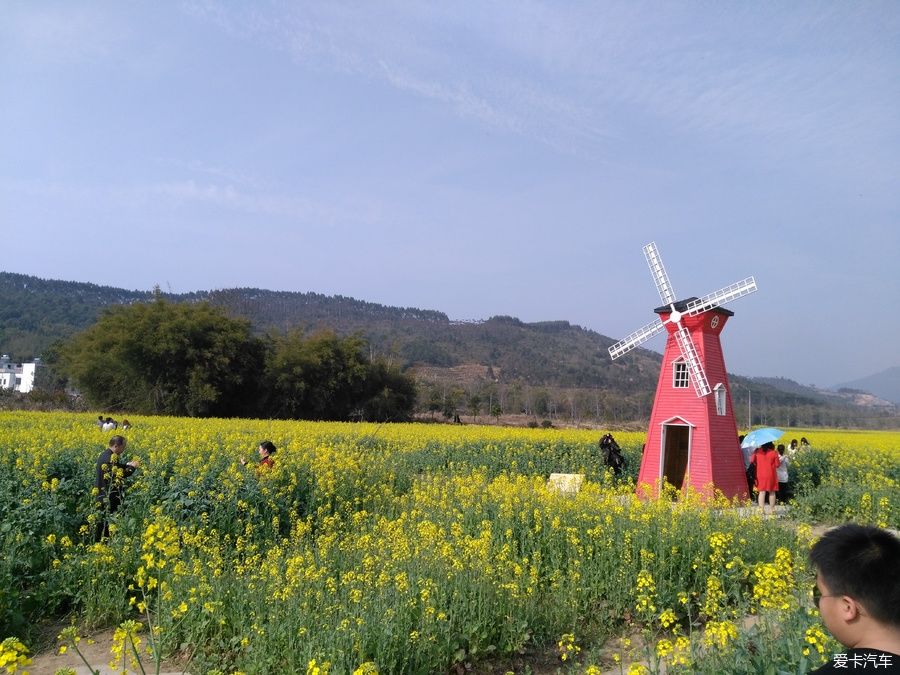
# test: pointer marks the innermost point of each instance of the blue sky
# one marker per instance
(477, 158)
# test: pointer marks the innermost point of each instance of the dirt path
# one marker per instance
(97, 650)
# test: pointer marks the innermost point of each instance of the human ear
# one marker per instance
(850, 608)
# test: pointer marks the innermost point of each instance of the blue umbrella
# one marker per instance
(758, 437)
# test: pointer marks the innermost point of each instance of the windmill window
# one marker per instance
(719, 391)
(680, 378)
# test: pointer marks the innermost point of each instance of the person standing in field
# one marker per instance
(612, 454)
(784, 478)
(266, 449)
(109, 483)
(766, 461)
(858, 595)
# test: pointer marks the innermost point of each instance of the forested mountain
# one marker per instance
(36, 312)
(547, 369)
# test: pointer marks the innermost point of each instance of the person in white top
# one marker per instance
(784, 479)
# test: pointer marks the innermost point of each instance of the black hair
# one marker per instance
(268, 446)
(117, 441)
(862, 562)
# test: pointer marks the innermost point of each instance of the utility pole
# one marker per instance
(749, 405)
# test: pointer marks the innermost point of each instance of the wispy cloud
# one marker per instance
(573, 76)
(422, 52)
(189, 193)
(465, 102)
(62, 33)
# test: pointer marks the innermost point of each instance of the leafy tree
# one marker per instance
(474, 405)
(328, 377)
(320, 377)
(435, 399)
(452, 401)
(391, 395)
(159, 357)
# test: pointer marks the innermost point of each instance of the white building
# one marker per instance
(18, 376)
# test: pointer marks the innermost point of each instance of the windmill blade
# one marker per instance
(720, 297)
(666, 292)
(692, 359)
(636, 338)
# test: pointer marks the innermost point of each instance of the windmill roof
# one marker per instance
(681, 306)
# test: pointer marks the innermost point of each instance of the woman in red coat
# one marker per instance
(767, 461)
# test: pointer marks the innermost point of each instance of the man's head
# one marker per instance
(857, 576)
(117, 444)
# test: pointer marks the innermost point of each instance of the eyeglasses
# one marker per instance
(818, 595)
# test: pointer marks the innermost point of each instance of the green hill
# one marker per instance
(36, 312)
(548, 368)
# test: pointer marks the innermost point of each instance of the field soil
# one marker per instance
(98, 654)
(530, 420)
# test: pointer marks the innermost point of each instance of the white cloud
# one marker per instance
(123, 200)
(572, 76)
(64, 33)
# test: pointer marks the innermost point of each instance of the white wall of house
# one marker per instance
(18, 376)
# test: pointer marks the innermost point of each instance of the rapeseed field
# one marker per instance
(402, 548)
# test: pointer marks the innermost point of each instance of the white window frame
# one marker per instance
(719, 392)
(681, 379)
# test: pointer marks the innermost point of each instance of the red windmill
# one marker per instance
(692, 439)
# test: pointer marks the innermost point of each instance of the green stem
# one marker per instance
(136, 654)
(89, 666)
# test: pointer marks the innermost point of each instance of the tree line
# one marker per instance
(485, 398)
(196, 360)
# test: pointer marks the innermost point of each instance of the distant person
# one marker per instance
(100, 421)
(109, 424)
(858, 595)
(792, 449)
(266, 449)
(766, 460)
(803, 443)
(126, 425)
(745, 452)
(612, 454)
(109, 483)
(785, 492)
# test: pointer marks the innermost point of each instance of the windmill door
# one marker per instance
(676, 450)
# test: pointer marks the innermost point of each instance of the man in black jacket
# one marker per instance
(109, 485)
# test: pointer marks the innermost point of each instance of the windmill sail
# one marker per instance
(692, 308)
(692, 359)
(720, 297)
(666, 292)
(635, 339)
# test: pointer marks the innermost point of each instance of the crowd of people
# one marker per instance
(768, 473)
(109, 424)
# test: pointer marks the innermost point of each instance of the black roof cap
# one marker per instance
(681, 306)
